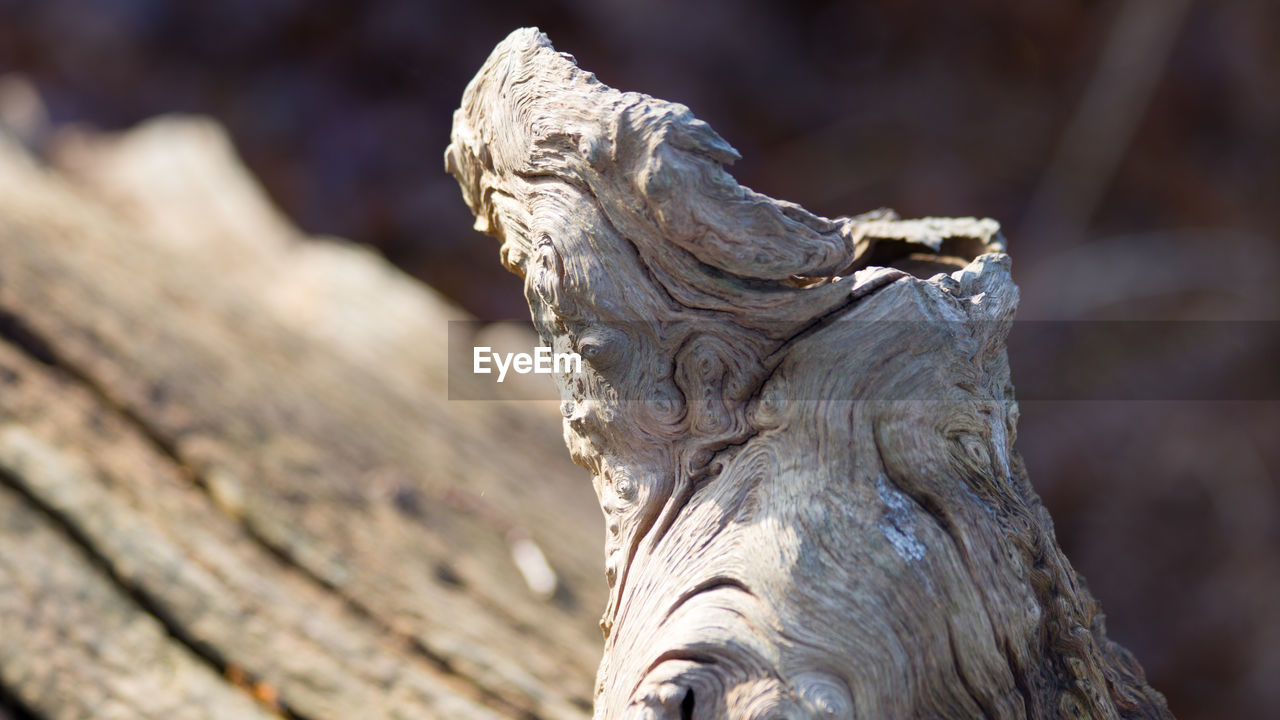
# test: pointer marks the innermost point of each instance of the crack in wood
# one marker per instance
(13, 329)
(205, 652)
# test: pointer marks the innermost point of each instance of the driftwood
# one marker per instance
(800, 429)
(231, 485)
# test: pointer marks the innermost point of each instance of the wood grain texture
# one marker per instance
(231, 482)
(800, 429)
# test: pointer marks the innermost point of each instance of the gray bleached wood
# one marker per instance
(800, 429)
(229, 470)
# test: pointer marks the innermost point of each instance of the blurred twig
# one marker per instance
(1132, 62)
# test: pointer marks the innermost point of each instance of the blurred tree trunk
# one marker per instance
(231, 484)
(801, 430)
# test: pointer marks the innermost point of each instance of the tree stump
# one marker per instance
(800, 429)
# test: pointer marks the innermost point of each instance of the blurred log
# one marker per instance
(800, 430)
(231, 484)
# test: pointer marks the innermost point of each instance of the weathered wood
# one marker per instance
(227, 461)
(800, 429)
(85, 649)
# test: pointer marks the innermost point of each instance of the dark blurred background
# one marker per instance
(1130, 147)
